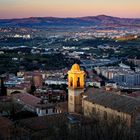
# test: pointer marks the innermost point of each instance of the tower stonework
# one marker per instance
(75, 88)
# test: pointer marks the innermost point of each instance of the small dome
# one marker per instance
(75, 67)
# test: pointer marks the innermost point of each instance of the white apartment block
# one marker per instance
(122, 76)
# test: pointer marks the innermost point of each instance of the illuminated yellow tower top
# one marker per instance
(76, 77)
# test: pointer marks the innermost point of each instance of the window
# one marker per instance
(53, 110)
(78, 82)
(46, 111)
(71, 82)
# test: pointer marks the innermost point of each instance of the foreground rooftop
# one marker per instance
(112, 100)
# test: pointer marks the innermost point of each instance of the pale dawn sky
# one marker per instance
(69, 8)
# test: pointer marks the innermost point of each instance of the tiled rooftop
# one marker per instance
(112, 100)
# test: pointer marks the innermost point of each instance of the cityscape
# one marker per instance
(69, 74)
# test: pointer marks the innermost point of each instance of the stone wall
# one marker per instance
(104, 113)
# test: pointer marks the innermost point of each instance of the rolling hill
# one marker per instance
(101, 20)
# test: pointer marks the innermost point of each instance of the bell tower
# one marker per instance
(75, 88)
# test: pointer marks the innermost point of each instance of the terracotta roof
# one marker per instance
(31, 100)
(27, 98)
(49, 121)
(5, 127)
(7, 130)
(16, 88)
(44, 106)
(44, 122)
(4, 123)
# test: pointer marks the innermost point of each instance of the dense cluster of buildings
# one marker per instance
(29, 90)
(120, 34)
(135, 61)
(123, 76)
(94, 92)
(107, 105)
(101, 103)
(12, 32)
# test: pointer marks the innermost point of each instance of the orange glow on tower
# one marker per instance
(76, 77)
(75, 89)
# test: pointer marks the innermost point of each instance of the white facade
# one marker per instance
(43, 112)
(122, 76)
(129, 79)
(55, 82)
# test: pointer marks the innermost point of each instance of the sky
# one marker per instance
(69, 8)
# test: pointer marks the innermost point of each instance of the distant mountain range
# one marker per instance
(101, 20)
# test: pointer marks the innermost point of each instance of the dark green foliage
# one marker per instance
(92, 130)
(33, 62)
